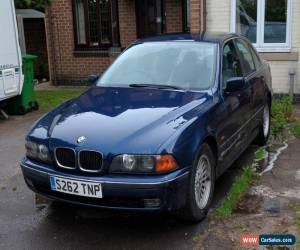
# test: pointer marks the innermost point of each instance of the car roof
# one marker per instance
(214, 37)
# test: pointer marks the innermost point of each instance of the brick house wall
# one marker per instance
(127, 22)
(35, 42)
(196, 15)
(173, 16)
(65, 67)
(68, 67)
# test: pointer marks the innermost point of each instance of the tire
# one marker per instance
(196, 207)
(264, 130)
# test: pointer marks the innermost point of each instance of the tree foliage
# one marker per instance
(33, 4)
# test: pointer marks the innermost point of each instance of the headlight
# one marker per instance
(37, 152)
(142, 164)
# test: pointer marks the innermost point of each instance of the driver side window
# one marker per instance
(231, 66)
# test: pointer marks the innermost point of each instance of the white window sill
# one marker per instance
(273, 50)
(280, 56)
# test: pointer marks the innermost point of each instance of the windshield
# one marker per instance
(186, 65)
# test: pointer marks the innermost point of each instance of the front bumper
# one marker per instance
(126, 192)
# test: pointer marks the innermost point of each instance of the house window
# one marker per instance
(96, 24)
(266, 23)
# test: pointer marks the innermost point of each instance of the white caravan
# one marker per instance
(11, 77)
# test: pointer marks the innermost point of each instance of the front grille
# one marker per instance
(90, 161)
(65, 158)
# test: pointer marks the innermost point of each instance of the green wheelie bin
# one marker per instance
(26, 101)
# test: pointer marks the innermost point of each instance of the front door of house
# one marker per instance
(149, 14)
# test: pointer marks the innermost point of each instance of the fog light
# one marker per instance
(150, 203)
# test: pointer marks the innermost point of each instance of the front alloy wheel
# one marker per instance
(201, 187)
(202, 184)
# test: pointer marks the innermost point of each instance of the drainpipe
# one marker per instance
(292, 74)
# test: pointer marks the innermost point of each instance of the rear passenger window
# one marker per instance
(255, 57)
(246, 55)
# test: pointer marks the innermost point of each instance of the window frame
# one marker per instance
(100, 46)
(232, 39)
(260, 45)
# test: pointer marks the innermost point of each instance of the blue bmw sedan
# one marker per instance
(156, 130)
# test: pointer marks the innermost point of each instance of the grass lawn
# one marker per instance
(49, 99)
(296, 128)
(237, 190)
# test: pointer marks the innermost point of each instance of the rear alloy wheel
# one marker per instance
(264, 131)
(201, 187)
(266, 121)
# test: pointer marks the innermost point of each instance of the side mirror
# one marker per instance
(92, 78)
(235, 84)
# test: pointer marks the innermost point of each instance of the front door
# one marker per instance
(232, 130)
(149, 15)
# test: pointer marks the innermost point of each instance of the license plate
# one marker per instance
(76, 187)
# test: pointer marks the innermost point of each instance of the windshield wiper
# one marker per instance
(157, 86)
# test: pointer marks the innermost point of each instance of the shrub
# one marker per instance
(35, 4)
(296, 128)
(237, 190)
(282, 110)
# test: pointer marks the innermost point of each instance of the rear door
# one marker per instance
(254, 75)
